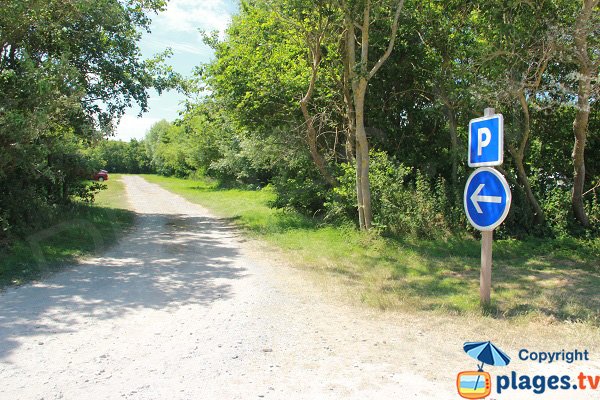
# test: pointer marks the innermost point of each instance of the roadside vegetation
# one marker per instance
(68, 71)
(545, 280)
(338, 131)
(79, 229)
(358, 111)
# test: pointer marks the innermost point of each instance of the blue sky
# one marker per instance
(177, 28)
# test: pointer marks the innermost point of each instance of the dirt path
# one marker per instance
(185, 308)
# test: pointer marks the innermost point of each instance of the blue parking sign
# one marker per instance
(486, 141)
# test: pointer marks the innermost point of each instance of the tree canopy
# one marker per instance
(319, 97)
(351, 110)
(68, 71)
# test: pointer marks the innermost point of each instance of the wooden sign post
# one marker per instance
(485, 280)
(487, 240)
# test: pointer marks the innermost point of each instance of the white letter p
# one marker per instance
(484, 136)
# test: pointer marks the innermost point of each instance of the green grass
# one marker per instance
(80, 230)
(551, 280)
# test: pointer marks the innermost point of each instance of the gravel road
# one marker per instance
(186, 308)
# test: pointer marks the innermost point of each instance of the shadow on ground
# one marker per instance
(527, 281)
(168, 261)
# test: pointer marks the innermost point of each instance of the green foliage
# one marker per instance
(208, 142)
(299, 187)
(122, 157)
(593, 208)
(67, 70)
(250, 130)
(404, 201)
(219, 148)
(73, 230)
(261, 69)
(557, 206)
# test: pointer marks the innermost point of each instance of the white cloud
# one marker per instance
(132, 127)
(179, 47)
(191, 15)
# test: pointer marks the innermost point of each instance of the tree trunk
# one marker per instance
(453, 145)
(519, 154)
(11, 56)
(359, 78)
(353, 111)
(311, 135)
(538, 213)
(362, 147)
(359, 196)
(580, 127)
(350, 131)
(580, 124)
(441, 92)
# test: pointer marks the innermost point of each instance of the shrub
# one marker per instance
(299, 186)
(557, 208)
(404, 201)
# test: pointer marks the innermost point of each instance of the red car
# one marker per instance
(101, 176)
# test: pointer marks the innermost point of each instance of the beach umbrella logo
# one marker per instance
(478, 384)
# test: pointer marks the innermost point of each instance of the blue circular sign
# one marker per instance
(487, 198)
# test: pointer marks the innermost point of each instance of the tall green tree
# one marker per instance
(314, 24)
(299, 82)
(586, 55)
(450, 50)
(68, 70)
(357, 23)
(514, 62)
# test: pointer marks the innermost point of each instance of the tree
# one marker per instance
(290, 77)
(514, 62)
(68, 69)
(587, 58)
(269, 75)
(314, 24)
(359, 74)
(122, 157)
(449, 51)
(168, 147)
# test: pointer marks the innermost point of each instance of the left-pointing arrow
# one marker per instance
(476, 198)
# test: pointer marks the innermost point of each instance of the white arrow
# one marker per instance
(476, 198)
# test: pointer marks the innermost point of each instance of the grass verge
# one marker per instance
(81, 230)
(551, 280)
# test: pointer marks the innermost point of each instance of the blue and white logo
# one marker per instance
(487, 199)
(486, 141)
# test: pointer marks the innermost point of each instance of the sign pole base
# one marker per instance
(485, 282)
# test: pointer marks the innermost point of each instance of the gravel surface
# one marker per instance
(186, 308)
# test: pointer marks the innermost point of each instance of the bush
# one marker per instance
(238, 162)
(404, 201)
(299, 186)
(557, 208)
(593, 209)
